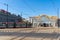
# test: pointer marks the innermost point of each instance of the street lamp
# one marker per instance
(7, 14)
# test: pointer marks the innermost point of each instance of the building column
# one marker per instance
(49, 24)
(54, 24)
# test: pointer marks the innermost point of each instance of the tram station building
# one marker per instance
(44, 21)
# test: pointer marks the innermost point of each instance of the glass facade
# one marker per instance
(44, 20)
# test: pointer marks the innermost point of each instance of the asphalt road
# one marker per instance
(19, 34)
(15, 35)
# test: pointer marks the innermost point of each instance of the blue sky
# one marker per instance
(30, 8)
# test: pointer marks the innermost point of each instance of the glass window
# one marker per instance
(44, 19)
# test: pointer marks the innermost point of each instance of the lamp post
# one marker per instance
(7, 14)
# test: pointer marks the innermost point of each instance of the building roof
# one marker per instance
(50, 17)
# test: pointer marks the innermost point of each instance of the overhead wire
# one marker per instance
(57, 9)
(54, 6)
(24, 1)
(16, 9)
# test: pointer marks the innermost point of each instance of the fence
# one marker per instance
(15, 25)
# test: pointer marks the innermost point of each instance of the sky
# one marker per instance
(29, 8)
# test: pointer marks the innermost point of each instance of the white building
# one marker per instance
(38, 21)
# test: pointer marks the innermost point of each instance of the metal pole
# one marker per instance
(7, 14)
(21, 16)
(58, 15)
(58, 12)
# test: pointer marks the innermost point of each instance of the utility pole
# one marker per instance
(58, 13)
(21, 16)
(58, 16)
(7, 14)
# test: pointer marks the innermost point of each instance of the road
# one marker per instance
(30, 35)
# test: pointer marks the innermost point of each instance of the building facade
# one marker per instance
(44, 20)
(7, 16)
